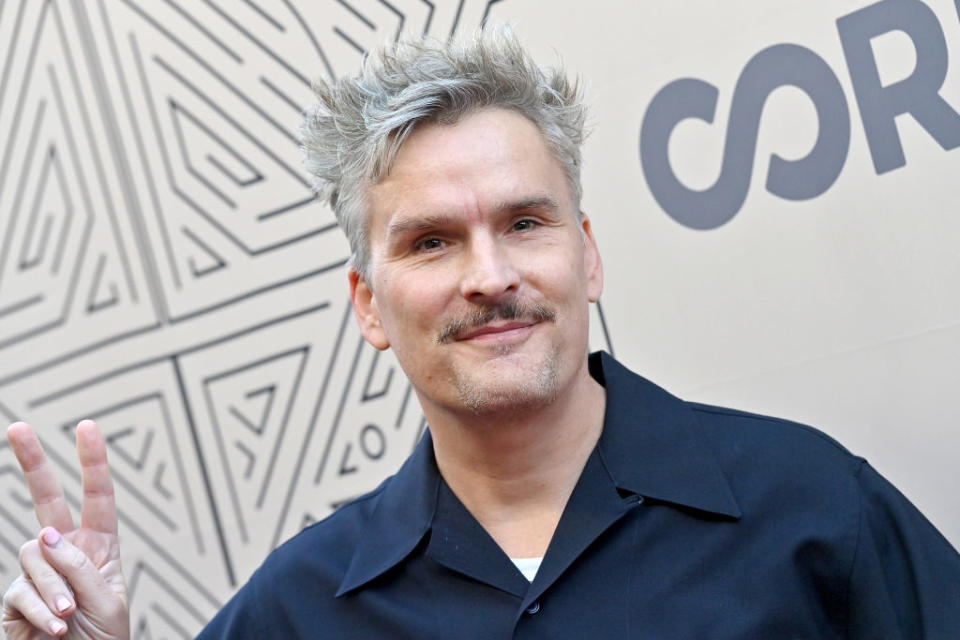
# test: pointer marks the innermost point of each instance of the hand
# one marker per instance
(71, 585)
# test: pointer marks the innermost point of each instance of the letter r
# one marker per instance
(917, 95)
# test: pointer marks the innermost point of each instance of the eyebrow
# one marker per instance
(420, 223)
(423, 223)
(542, 203)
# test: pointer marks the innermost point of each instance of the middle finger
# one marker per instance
(99, 510)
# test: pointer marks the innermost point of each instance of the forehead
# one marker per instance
(485, 158)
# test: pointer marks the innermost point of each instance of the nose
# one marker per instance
(488, 272)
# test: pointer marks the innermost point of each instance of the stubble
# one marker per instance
(481, 394)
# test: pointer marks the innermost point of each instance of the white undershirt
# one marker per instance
(528, 566)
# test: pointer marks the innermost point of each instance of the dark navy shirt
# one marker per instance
(688, 521)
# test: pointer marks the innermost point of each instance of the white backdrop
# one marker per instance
(163, 270)
(841, 311)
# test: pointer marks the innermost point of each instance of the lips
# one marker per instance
(494, 330)
(508, 316)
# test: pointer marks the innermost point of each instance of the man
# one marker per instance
(556, 495)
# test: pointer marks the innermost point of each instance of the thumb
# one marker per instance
(91, 590)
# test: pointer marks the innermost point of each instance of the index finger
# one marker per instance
(99, 510)
(45, 490)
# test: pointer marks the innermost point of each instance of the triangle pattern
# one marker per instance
(255, 408)
(202, 259)
(132, 443)
(145, 466)
(250, 405)
(218, 160)
(48, 217)
(104, 292)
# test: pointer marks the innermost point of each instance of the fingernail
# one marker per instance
(57, 627)
(63, 603)
(51, 537)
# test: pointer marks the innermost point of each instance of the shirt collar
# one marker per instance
(401, 516)
(649, 445)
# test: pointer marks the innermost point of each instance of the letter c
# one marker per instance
(808, 177)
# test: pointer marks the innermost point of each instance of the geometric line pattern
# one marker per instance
(165, 271)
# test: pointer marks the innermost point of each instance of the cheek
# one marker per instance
(557, 276)
(413, 304)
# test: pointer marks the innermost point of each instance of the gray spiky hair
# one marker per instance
(352, 133)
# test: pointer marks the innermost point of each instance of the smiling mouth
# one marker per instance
(496, 330)
(515, 316)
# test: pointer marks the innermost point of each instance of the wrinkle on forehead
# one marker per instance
(471, 172)
(405, 224)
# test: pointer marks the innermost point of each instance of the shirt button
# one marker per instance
(532, 609)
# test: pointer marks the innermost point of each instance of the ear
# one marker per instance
(365, 310)
(592, 264)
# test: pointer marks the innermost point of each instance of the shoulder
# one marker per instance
(756, 439)
(784, 470)
(324, 549)
(295, 585)
(804, 493)
(763, 459)
(742, 442)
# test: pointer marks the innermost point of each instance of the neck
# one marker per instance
(515, 469)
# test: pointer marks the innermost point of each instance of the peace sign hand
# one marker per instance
(71, 585)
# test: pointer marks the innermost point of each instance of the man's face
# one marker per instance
(480, 269)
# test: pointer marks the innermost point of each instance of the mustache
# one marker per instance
(507, 310)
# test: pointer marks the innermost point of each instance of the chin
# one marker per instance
(522, 388)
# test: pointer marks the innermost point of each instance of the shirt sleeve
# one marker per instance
(240, 618)
(905, 578)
